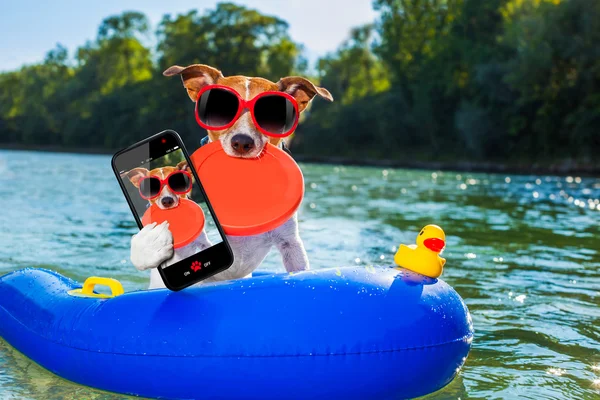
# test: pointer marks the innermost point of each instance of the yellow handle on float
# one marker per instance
(88, 288)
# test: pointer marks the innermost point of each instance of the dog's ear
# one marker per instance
(195, 77)
(135, 175)
(183, 166)
(303, 90)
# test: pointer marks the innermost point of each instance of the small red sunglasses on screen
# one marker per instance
(180, 182)
(274, 113)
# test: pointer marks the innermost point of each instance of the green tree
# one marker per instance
(31, 101)
(117, 57)
(497, 80)
(555, 75)
(233, 38)
(353, 71)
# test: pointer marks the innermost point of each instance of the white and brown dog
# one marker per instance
(165, 199)
(153, 244)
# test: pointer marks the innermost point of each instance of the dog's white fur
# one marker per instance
(173, 255)
(167, 193)
(152, 246)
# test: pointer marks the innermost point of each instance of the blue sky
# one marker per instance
(29, 28)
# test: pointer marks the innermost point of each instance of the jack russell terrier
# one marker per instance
(177, 185)
(244, 114)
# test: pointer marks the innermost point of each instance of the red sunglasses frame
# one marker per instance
(249, 105)
(164, 182)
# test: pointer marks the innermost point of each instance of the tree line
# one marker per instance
(493, 80)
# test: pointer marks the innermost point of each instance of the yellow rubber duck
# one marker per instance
(423, 257)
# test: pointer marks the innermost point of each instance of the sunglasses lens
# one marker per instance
(275, 114)
(150, 187)
(180, 182)
(217, 107)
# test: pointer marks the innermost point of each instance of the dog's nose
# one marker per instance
(167, 202)
(242, 144)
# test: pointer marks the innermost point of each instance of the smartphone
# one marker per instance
(160, 184)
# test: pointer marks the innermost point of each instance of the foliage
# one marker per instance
(473, 80)
(238, 40)
(499, 80)
(354, 71)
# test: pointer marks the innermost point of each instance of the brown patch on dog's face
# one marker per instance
(166, 198)
(243, 139)
(135, 175)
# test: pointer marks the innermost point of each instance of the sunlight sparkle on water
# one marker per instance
(556, 371)
(463, 186)
(520, 298)
(551, 248)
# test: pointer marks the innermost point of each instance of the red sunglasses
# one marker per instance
(180, 182)
(274, 113)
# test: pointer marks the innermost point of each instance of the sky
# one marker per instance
(29, 28)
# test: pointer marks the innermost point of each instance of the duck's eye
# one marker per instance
(422, 232)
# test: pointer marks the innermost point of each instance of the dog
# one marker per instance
(166, 199)
(152, 246)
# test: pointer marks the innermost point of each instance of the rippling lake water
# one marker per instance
(523, 251)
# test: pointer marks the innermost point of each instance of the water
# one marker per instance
(523, 251)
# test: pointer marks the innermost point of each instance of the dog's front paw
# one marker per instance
(152, 246)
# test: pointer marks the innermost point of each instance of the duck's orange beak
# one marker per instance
(434, 244)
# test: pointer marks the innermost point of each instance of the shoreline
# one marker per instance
(458, 166)
(461, 166)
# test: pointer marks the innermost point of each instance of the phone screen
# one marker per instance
(160, 185)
